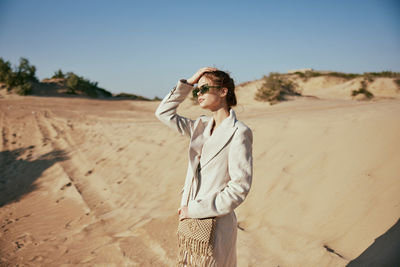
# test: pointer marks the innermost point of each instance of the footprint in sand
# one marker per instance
(23, 240)
(100, 161)
(65, 186)
(6, 222)
(58, 200)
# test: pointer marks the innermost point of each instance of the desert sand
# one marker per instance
(97, 183)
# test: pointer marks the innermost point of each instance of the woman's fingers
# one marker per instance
(206, 69)
(195, 78)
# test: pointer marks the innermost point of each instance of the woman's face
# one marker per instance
(213, 99)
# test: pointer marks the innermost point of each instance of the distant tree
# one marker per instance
(5, 69)
(7, 76)
(58, 74)
(20, 79)
(26, 71)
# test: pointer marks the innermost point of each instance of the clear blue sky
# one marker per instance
(144, 47)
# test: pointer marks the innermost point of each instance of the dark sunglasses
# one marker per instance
(203, 89)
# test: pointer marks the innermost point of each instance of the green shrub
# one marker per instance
(25, 71)
(24, 89)
(300, 74)
(397, 81)
(311, 74)
(5, 70)
(7, 76)
(72, 83)
(347, 76)
(58, 74)
(363, 90)
(79, 85)
(385, 74)
(275, 88)
(10, 80)
(20, 79)
(369, 77)
(103, 92)
(307, 74)
(131, 96)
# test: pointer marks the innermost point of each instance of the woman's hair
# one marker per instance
(221, 78)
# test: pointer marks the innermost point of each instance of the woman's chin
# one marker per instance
(208, 106)
(203, 105)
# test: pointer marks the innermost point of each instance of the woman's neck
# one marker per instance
(219, 115)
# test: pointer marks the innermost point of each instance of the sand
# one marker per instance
(94, 182)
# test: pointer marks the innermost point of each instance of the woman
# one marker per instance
(220, 167)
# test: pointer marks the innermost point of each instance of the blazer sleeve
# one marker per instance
(166, 111)
(240, 167)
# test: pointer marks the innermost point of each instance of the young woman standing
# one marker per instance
(220, 167)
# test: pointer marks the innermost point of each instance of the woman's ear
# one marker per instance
(223, 92)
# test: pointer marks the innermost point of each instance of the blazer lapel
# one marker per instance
(196, 146)
(218, 139)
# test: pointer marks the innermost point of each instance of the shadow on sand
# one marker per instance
(385, 251)
(17, 175)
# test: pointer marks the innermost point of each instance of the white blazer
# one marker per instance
(220, 165)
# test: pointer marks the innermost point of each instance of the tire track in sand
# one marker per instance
(89, 187)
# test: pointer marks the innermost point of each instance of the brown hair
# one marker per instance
(221, 78)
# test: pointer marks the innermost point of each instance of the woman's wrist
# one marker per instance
(185, 81)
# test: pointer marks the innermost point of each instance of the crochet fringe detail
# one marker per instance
(194, 253)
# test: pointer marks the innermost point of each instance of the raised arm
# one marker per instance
(166, 111)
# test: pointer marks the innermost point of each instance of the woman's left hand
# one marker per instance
(195, 78)
(183, 211)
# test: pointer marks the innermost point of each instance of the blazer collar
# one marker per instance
(220, 137)
(214, 143)
(226, 124)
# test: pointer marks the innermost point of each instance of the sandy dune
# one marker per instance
(91, 182)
